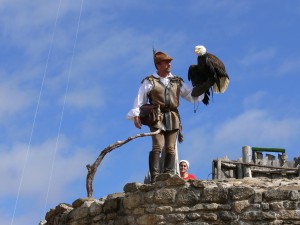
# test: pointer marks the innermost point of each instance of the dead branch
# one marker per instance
(92, 169)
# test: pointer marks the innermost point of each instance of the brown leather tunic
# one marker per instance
(168, 100)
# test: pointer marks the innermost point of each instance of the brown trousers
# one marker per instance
(165, 139)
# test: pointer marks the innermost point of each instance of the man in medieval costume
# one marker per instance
(162, 89)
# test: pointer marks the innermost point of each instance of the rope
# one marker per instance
(196, 106)
(63, 108)
(34, 118)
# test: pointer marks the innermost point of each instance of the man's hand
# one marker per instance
(137, 122)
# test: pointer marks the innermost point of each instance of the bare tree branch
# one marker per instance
(92, 169)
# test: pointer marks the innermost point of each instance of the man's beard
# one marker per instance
(168, 69)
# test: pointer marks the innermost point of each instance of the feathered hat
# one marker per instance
(160, 56)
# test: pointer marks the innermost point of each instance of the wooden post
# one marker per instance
(247, 159)
(219, 170)
(239, 171)
(213, 169)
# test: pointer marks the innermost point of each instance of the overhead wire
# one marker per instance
(35, 116)
(63, 107)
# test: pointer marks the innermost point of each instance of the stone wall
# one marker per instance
(172, 200)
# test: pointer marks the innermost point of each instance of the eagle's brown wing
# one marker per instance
(218, 70)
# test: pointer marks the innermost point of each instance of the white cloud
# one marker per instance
(36, 163)
(13, 99)
(288, 68)
(255, 56)
(254, 100)
(91, 97)
(257, 126)
(254, 128)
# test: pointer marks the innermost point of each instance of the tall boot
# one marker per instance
(169, 166)
(154, 165)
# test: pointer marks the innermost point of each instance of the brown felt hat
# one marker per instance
(161, 56)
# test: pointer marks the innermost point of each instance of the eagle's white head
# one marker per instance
(200, 50)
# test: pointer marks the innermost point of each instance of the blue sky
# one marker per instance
(70, 70)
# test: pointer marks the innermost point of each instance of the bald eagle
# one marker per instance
(208, 76)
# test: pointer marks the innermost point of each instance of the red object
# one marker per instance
(190, 176)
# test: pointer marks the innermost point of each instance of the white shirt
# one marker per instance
(146, 87)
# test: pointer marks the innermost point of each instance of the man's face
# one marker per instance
(164, 66)
(183, 167)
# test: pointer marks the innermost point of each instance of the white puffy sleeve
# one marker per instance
(185, 93)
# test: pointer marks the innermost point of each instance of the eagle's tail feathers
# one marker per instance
(224, 82)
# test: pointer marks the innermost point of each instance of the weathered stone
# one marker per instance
(218, 195)
(254, 207)
(193, 223)
(289, 215)
(99, 217)
(265, 206)
(148, 219)
(240, 193)
(132, 201)
(110, 205)
(294, 195)
(163, 177)
(274, 195)
(78, 202)
(209, 216)
(224, 207)
(149, 197)
(147, 187)
(290, 188)
(182, 209)
(211, 206)
(291, 205)
(175, 217)
(150, 209)
(138, 211)
(172, 202)
(165, 196)
(96, 208)
(197, 184)
(193, 216)
(175, 181)
(121, 221)
(132, 187)
(258, 216)
(276, 206)
(61, 208)
(187, 196)
(80, 212)
(164, 209)
(197, 207)
(115, 195)
(257, 197)
(111, 216)
(239, 206)
(227, 216)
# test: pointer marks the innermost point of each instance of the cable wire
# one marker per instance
(35, 115)
(63, 108)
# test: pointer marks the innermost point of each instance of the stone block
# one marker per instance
(275, 195)
(165, 196)
(239, 206)
(133, 200)
(132, 187)
(163, 209)
(187, 196)
(209, 216)
(240, 193)
(217, 195)
(227, 216)
(148, 219)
